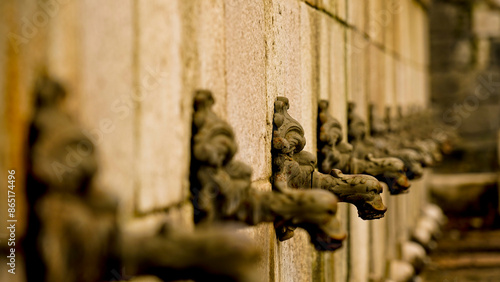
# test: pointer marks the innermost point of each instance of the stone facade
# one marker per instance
(131, 68)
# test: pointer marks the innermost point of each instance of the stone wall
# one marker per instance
(131, 68)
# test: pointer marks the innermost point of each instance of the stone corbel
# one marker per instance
(335, 153)
(221, 187)
(73, 234)
(295, 168)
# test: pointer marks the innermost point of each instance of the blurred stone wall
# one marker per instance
(465, 61)
(131, 68)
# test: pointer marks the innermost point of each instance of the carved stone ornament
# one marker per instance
(73, 234)
(221, 187)
(295, 168)
(335, 153)
(381, 145)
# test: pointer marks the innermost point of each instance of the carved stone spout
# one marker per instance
(335, 153)
(221, 187)
(296, 168)
(363, 191)
(73, 234)
(381, 145)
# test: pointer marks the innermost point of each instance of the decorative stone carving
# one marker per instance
(414, 133)
(334, 152)
(73, 234)
(380, 145)
(221, 186)
(296, 168)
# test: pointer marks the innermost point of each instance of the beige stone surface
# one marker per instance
(378, 243)
(107, 79)
(391, 248)
(324, 56)
(264, 237)
(329, 6)
(389, 81)
(340, 257)
(284, 78)
(162, 161)
(332, 65)
(387, 19)
(309, 78)
(376, 78)
(248, 107)
(295, 258)
(402, 87)
(283, 52)
(358, 246)
(356, 14)
(402, 28)
(414, 33)
(63, 48)
(402, 210)
(211, 41)
(337, 77)
(342, 9)
(377, 17)
(359, 73)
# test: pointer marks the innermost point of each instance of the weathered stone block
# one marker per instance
(283, 52)
(340, 257)
(161, 99)
(330, 6)
(247, 105)
(376, 78)
(210, 41)
(357, 60)
(309, 70)
(377, 21)
(108, 102)
(356, 14)
(358, 247)
(338, 74)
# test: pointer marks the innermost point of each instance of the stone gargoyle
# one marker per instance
(73, 234)
(379, 146)
(221, 187)
(335, 153)
(296, 168)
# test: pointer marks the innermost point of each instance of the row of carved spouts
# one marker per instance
(73, 232)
